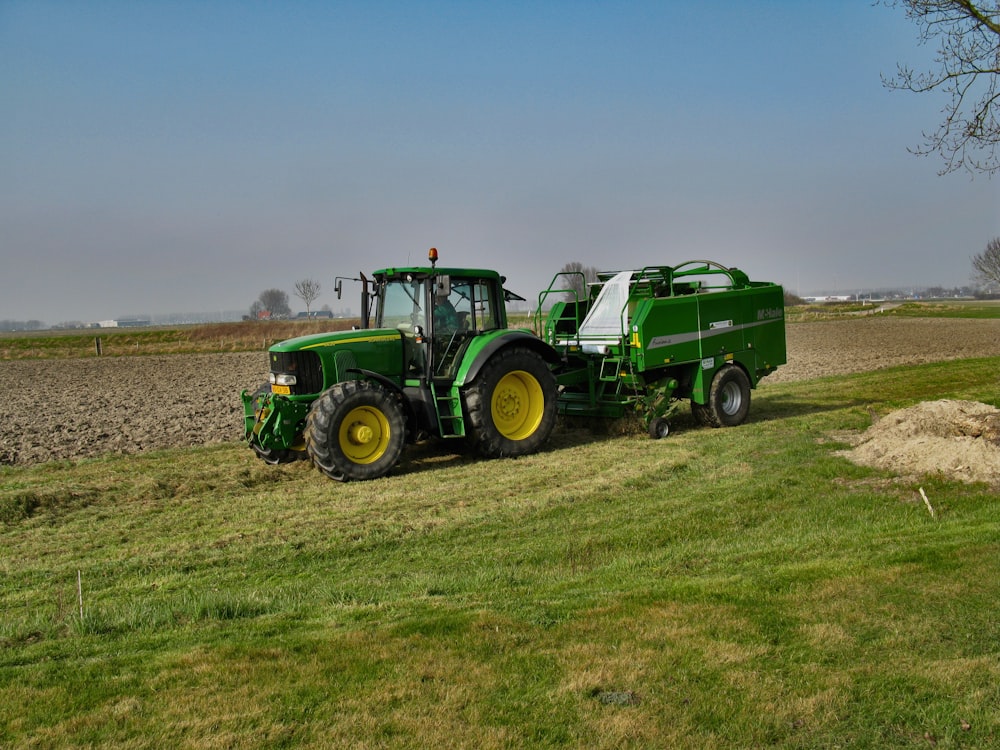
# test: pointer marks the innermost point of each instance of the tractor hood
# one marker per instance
(336, 339)
(308, 365)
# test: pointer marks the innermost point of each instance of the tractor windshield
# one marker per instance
(401, 304)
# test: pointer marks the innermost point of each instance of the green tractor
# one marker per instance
(438, 362)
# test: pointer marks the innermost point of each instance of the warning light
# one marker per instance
(432, 255)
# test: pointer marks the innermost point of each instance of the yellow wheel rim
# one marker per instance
(517, 405)
(364, 435)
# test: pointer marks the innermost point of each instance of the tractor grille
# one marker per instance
(306, 366)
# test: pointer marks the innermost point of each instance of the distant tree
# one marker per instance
(793, 299)
(307, 290)
(21, 325)
(275, 302)
(575, 283)
(967, 34)
(987, 263)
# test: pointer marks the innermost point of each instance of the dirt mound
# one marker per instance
(960, 439)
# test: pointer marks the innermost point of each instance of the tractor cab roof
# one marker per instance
(423, 271)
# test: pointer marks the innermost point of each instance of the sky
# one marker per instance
(160, 157)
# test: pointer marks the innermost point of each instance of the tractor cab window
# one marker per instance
(401, 305)
(484, 307)
(469, 307)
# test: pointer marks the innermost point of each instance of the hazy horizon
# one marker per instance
(185, 156)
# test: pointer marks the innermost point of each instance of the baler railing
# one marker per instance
(649, 282)
(570, 289)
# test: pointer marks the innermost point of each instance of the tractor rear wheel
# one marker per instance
(272, 456)
(511, 405)
(355, 430)
(728, 399)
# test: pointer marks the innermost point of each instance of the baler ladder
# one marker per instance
(610, 367)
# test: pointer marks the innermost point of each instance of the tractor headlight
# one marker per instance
(282, 378)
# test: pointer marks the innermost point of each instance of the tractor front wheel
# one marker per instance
(511, 406)
(355, 430)
(728, 399)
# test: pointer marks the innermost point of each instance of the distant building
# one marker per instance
(315, 314)
(121, 323)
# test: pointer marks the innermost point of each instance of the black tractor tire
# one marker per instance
(271, 456)
(659, 428)
(275, 456)
(355, 430)
(700, 414)
(728, 399)
(510, 407)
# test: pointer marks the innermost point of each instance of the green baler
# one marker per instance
(645, 340)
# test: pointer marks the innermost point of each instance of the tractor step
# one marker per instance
(448, 409)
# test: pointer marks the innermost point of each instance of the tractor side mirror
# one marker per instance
(338, 287)
(442, 286)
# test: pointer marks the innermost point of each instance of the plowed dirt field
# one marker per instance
(67, 409)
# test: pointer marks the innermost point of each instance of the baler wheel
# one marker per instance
(511, 406)
(355, 430)
(728, 399)
(659, 428)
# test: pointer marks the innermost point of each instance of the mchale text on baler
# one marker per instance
(441, 362)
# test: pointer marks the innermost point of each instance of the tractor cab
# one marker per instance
(438, 311)
(437, 314)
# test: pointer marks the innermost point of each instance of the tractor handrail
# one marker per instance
(645, 283)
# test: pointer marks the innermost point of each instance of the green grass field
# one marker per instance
(717, 589)
(959, 308)
(950, 309)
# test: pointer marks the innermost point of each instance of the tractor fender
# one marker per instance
(408, 410)
(377, 377)
(487, 347)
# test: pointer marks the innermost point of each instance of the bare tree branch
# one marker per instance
(987, 263)
(967, 34)
(577, 278)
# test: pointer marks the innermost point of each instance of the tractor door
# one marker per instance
(463, 308)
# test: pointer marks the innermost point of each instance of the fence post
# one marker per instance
(97, 345)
